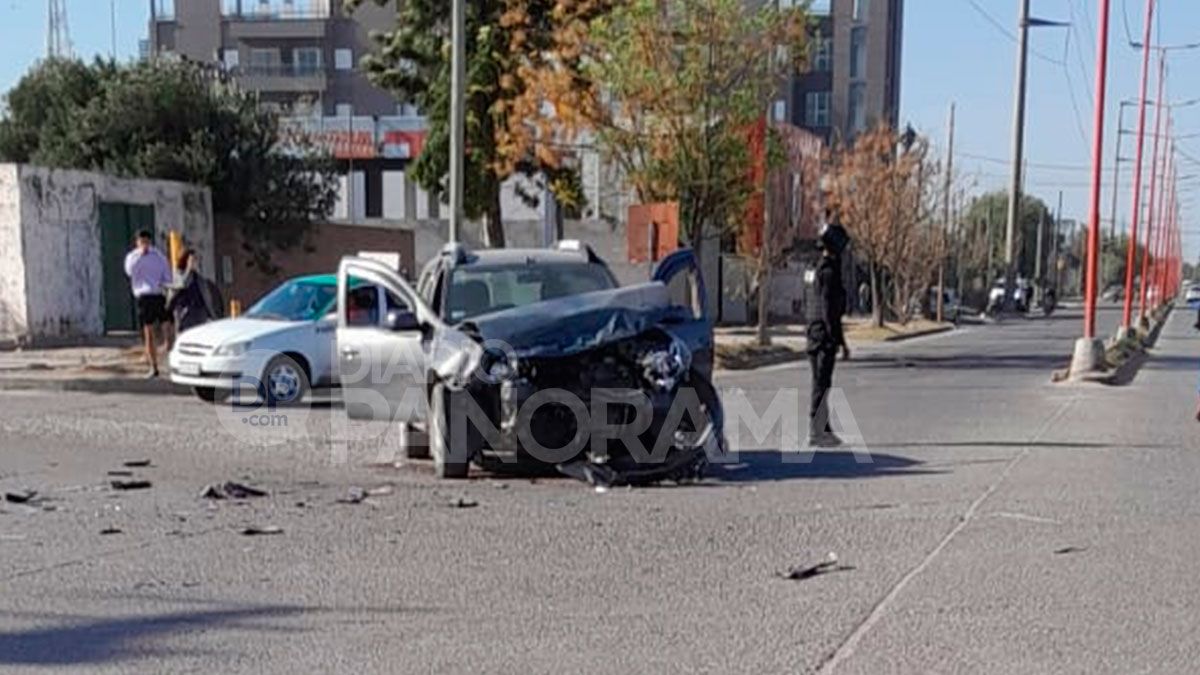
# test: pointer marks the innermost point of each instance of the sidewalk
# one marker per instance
(737, 348)
(105, 369)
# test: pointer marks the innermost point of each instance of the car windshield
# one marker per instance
(295, 301)
(481, 290)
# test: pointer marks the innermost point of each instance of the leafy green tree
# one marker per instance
(684, 82)
(989, 213)
(172, 121)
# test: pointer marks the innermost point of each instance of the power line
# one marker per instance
(1071, 94)
(1008, 33)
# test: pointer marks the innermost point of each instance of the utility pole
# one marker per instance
(1054, 242)
(458, 69)
(1018, 149)
(1151, 223)
(1131, 245)
(1089, 352)
(941, 291)
(1037, 261)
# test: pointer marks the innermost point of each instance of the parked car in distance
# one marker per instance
(951, 307)
(281, 346)
(1192, 296)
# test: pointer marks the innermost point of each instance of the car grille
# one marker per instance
(194, 349)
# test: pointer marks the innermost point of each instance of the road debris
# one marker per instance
(1067, 550)
(255, 530)
(124, 473)
(463, 503)
(136, 463)
(827, 566)
(231, 490)
(20, 496)
(381, 491)
(131, 484)
(355, 495)
(111, 530)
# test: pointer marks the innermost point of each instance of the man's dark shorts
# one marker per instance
(152, 310)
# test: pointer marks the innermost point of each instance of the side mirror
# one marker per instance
(401, 320)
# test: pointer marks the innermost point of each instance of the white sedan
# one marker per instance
(281, 347)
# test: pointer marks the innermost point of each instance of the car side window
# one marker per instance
(395, 303)
(362, 306)
(684, 291)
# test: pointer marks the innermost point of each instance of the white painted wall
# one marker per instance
(13, 316)
(59, 262)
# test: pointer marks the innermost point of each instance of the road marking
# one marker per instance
(1024, 516)
(847, 648)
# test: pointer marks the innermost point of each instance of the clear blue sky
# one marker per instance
(952, 52)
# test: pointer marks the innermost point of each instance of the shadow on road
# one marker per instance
(94, 641)
(772, 465)
(1172, 363)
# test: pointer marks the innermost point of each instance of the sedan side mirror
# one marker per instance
(399, 320)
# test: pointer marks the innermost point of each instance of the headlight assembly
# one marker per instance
(233, 348)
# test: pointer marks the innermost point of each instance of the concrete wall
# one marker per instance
(60, 256)
(13, 315)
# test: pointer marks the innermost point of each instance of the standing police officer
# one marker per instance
(825, 336)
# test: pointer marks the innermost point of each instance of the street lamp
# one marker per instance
(1018, 150)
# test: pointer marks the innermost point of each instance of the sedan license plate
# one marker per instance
(188, 368)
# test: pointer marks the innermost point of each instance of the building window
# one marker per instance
(307, 60)
(858, 52)
(230, 58)
(816, 109)
(264, 61)
(858, 107)
(779, 110)
(822, 54)
(861, 7)
(344, 110)
(343, 59)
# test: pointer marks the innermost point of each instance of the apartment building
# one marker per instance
(853, 81)
(301, 58)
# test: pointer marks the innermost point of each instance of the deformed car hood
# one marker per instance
(576, 323)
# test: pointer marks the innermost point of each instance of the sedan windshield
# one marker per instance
(295, 301)
(482, 290)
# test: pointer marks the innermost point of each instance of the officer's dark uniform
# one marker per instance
(825, 336)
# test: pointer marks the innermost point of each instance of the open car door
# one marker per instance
(689, 318)
(383, 335)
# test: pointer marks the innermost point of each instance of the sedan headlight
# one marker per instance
(233, 348)
(664, 369)
(497, 366)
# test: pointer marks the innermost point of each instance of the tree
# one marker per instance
(993, 207)
(683, 83)
(172, 121)
(515, 49)
(883, 194)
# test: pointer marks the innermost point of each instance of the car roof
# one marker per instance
(316, 279)
(516, 256)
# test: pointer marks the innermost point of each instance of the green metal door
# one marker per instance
(118, 224)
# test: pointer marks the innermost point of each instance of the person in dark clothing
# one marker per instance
(825, 336)
(198, 299)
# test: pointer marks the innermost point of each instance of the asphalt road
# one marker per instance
(1004, 524)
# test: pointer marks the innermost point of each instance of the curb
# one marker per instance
(919, 334)
(783, 355)
(95, 386)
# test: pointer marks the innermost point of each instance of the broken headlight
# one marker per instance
(664, 368)
(496, 366)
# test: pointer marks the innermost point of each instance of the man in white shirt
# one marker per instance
(149, 275)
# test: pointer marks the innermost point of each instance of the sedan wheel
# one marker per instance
(284, 381)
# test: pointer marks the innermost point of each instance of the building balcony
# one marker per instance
(275, 10)
(281, 78)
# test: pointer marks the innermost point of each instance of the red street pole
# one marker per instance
(1093, 251)
(1162, 67)
(1160, 248)
(1131, 249)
